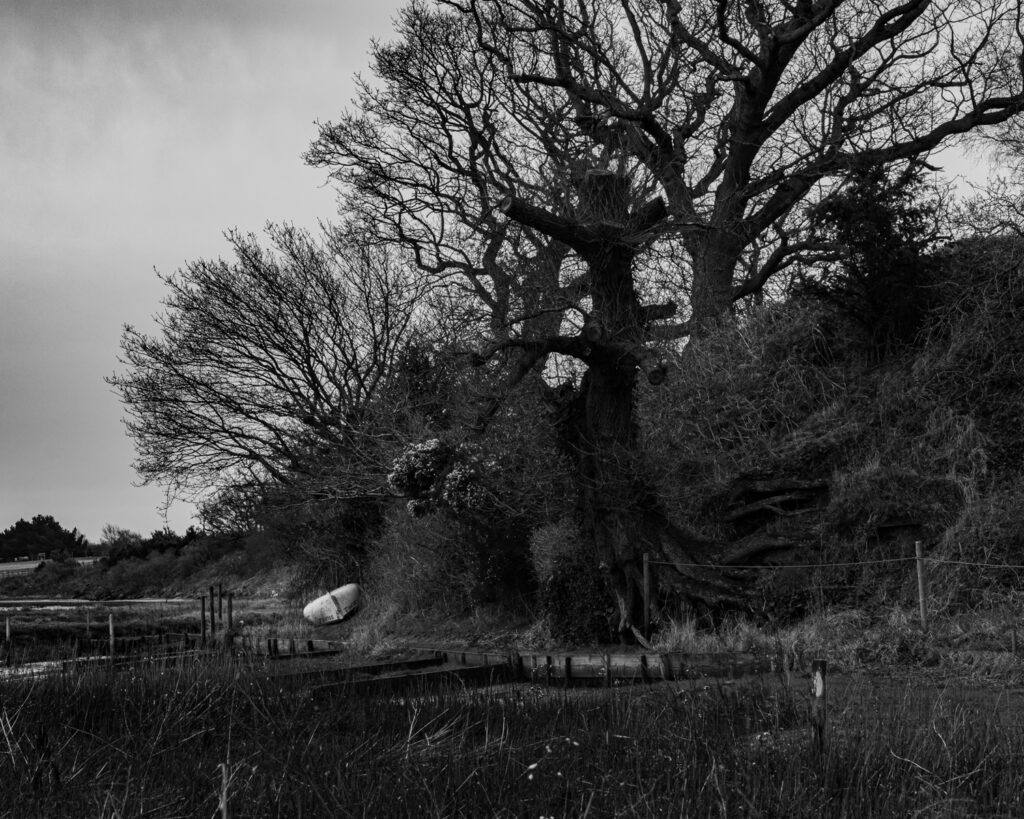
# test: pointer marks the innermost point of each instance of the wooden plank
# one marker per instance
(624, 666)
(482, 674)
(608, 667)
(368, 670)
(319, 652)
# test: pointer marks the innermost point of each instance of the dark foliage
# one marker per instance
(883, 226)
(42, 536)
(576, 600)
(128, 547)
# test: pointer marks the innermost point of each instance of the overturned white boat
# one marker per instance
(335, 606)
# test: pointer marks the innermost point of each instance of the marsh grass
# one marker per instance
(179, 742)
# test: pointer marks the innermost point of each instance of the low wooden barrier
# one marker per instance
(391, 681)
(277, 648)
(568, 668)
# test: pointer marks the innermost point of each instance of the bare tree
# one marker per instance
(551, 159)
(741, 109)
(265, 364)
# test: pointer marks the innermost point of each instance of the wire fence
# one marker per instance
(821, 582)
(839, 565)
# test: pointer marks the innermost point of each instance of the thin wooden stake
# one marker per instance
(647, 596)
(231, 619)
(202, 617)
(922, 585)
(213, 615)
(225, 784)
(220, 603)
(110, 629)
(818, 703)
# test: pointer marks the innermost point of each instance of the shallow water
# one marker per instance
(64, 604)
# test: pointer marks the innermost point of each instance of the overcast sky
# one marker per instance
(132, 134)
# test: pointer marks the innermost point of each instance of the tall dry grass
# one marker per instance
(224, 740)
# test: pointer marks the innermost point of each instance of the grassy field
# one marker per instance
(222, 739)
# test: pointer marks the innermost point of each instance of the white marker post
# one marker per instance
(818, 701)
(922, 585)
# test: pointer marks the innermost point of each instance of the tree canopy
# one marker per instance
(263, 364)
(734, 113)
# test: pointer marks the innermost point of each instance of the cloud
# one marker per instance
(132, 133)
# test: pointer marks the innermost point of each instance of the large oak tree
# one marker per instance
(580, 170)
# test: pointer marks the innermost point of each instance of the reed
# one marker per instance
(222, 738)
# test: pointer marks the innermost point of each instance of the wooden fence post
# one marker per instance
(922, 584)
(818, 703)
(647, 596)
(110, 631)
(220, 603)
(10, 646)
(231, 620)
(202, 618)
(213, 615)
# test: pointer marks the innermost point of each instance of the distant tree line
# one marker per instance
(42, 537)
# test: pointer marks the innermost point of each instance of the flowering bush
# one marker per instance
(416, 470)
(462, 490)
(434, 473)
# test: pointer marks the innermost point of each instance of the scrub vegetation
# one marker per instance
(793, 435)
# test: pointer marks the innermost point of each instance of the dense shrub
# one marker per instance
(991, 533)
(407, 566)
(573, 594)
(551, 543)
(747, 385)
(861, 499)
(930, 433)
(975, 345)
